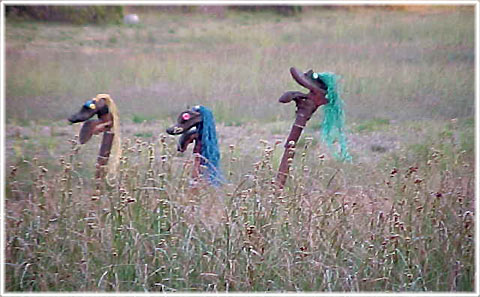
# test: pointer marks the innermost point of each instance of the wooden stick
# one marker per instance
(106, 146)
(306, 105)
(197, 150)
(304, 112)
(104, 153)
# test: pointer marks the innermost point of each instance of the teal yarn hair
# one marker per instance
(210, 150)
(334, 116)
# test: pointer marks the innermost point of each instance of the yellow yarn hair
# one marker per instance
(115, 152)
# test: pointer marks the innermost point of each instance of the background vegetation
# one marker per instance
(399, 218)
(69, 14)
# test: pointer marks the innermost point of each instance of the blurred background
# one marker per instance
(405, 72)
(396, 62)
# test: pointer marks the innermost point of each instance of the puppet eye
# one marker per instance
(314, 75)
(186, 116)
(90, 104)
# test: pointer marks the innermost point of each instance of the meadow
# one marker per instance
(400, 217)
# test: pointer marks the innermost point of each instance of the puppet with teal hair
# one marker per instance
(323, 92)
(198, 125)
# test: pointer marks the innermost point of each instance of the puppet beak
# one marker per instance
(187, 138)
(304, 80)
(175, 130)
(292, 95)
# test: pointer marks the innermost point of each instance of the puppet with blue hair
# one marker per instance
(198, 125)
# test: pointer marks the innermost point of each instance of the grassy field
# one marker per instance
(399, 218)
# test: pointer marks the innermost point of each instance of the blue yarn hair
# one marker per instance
(210, 150)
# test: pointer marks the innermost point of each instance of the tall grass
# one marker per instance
(406, 225)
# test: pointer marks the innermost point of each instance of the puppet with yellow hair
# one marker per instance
(108, 122)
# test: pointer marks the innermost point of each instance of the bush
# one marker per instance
(69, 14)
(285, 10)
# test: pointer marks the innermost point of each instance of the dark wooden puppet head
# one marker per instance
(108, 122)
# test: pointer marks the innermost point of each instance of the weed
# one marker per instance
(139, 119)
(112, 40)
(144, 134)
(372, 125)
